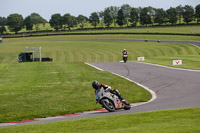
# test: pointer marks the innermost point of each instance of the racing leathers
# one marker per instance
(108, 88)
(124, 52)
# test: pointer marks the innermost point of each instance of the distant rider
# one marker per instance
(124, 55)
(124, 52)
(97, 86)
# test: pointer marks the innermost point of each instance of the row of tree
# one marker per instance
(15, 22)
(123, 15)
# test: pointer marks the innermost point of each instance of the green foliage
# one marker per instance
(126, 9)
(188, 13)
(3, 21)
(36, 19)
(197, 13)
(120, 18)
(134, 16)
(160, 16)
(15, 22)
(69, 20)
(113, 12)
(82, 20)
(172, 15)
(2, 29)
(145, 18)
(107, 17)
(179, 10)
(56, 21)
(94, 19)
(28, 23)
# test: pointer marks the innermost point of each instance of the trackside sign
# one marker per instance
(177, 62)
(140, 58)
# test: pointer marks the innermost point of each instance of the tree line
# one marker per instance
(124, 15)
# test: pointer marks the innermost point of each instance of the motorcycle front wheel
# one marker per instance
(127, 107)
(108, 105)
(125, 59)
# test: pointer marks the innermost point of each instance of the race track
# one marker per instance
(174, 88)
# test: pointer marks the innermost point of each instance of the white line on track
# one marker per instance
(94, 66)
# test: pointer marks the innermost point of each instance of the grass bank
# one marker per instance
(169, 121)
(64, 50)
(30, 90)
(167, 29)
(184, 29)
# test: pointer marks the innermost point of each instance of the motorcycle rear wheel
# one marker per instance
(108, 105)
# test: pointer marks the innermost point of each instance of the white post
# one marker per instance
(33, 50)
(26, 49)
(33, 56)
(40, 54)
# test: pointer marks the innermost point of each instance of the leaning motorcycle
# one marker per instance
(110, 101)
(125, 58)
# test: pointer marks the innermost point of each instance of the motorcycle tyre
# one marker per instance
(125, 59)
(104, 104)
(127, 107)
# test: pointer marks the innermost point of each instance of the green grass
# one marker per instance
(32, 90)
(102, 51)
(35, 90)
(168, 121)
(169, 29)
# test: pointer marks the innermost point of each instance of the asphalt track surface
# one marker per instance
(173, 88)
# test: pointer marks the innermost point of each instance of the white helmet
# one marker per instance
(124, 49)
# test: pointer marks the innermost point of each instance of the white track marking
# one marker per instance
(94, 66)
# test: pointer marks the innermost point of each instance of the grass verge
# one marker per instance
(169, 121)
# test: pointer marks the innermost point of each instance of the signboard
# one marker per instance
(177, 62)
(140, 58)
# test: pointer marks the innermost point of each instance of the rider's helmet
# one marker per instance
(95, 85)
(124, 49)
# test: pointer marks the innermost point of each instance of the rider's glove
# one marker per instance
(108, 88)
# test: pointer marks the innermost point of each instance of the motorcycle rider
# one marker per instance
(124, 53)
(96, 85)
